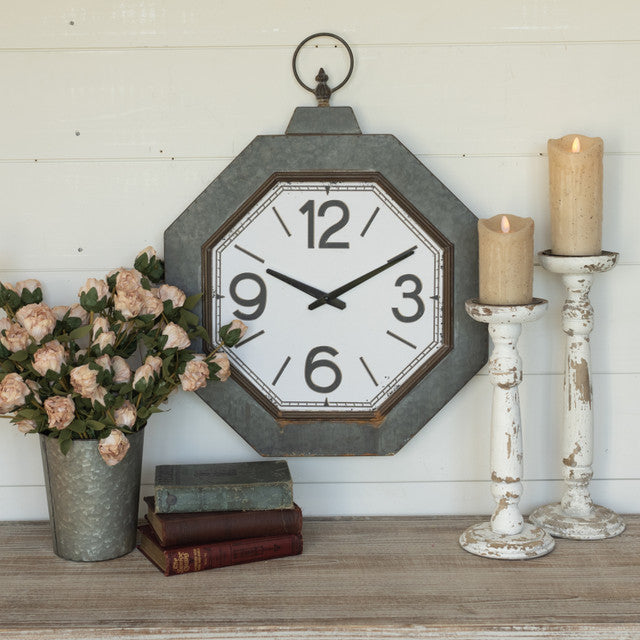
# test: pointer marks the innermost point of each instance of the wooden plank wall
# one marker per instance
(117, 113)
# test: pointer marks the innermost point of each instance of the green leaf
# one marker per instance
(77, 426)
(166, 368)
(81, 332)
(192, 301)
(31, 297)
(51, 375)
(65, 445)
(12, 299)
(200, 332)
(141, 262)
(73, 322)
(189, 317)
(95, 425)
(111, 281)
(7, 366)
(27, 414)
(19, 356)
(232, 337)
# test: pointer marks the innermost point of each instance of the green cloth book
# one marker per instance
(236, 486)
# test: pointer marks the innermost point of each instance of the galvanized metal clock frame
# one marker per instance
(326, 144)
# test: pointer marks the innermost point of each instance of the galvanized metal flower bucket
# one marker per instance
(93, 508)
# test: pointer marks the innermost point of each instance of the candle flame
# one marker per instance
(504, 225)
(575, 147)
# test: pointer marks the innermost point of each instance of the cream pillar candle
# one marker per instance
(506, 260)
(575, 193)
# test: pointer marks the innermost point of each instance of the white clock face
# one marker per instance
(344, 293)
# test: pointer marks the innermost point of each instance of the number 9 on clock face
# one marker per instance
(346, 290)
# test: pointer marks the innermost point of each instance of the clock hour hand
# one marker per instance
(306, 288)
(329, 297)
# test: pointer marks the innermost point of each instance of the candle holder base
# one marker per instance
(601, 523)
(531, 542)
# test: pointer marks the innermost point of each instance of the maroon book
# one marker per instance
(189, 558)
(173, 529)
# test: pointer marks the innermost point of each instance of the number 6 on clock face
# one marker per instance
(346, 290)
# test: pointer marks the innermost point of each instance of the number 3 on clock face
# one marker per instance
(346, 289)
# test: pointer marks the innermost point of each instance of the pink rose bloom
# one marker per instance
(13, 392)
(129, 303)
(121, 370)
(155, 363)
(128, 280)
(5, 323)
(238, 324)
(105, 362)
(26, 426)
(34, 388)
(49, 357)
(76, 311)
(83, 380)
(60, 411)
(100, 325)
(143, 373)
(15, 338)
(30, 285)
(177, 337)
(104, 340)
(195, 375)
(169, 292)
(152, 305)
(100, 286)
(60, 311)
(126, 415)
(8, 285)
(113, 448)
(37, 319)
(222, 361)
(98, 395)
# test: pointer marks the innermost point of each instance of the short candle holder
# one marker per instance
(507, 536)
(576, 516)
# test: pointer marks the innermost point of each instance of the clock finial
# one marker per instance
(322, 92)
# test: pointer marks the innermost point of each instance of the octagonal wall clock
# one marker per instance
(350, 263)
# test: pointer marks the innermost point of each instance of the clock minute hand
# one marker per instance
(306, 288)
(329, 297)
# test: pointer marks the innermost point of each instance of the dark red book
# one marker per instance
(186, 559)
(173, 529)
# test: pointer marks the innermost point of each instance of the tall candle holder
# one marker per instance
(507, 536)
(576, 516)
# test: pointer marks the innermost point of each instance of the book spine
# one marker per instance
(223, 554)
(173, 499)
(202, 528)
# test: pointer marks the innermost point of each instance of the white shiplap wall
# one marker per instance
(117, 113)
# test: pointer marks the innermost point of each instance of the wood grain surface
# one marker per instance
(357, 578)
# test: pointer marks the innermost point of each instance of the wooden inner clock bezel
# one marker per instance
(372, 417)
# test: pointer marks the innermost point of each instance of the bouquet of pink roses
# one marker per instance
(100, 368)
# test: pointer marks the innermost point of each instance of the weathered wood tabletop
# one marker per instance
(392, 578)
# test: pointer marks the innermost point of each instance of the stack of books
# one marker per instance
(206, 516)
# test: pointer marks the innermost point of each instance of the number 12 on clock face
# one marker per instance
(345, 289)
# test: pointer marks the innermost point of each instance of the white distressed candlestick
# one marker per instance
(507, 536)
(576, 516)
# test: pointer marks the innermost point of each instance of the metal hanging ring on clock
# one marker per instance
(318, 35)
